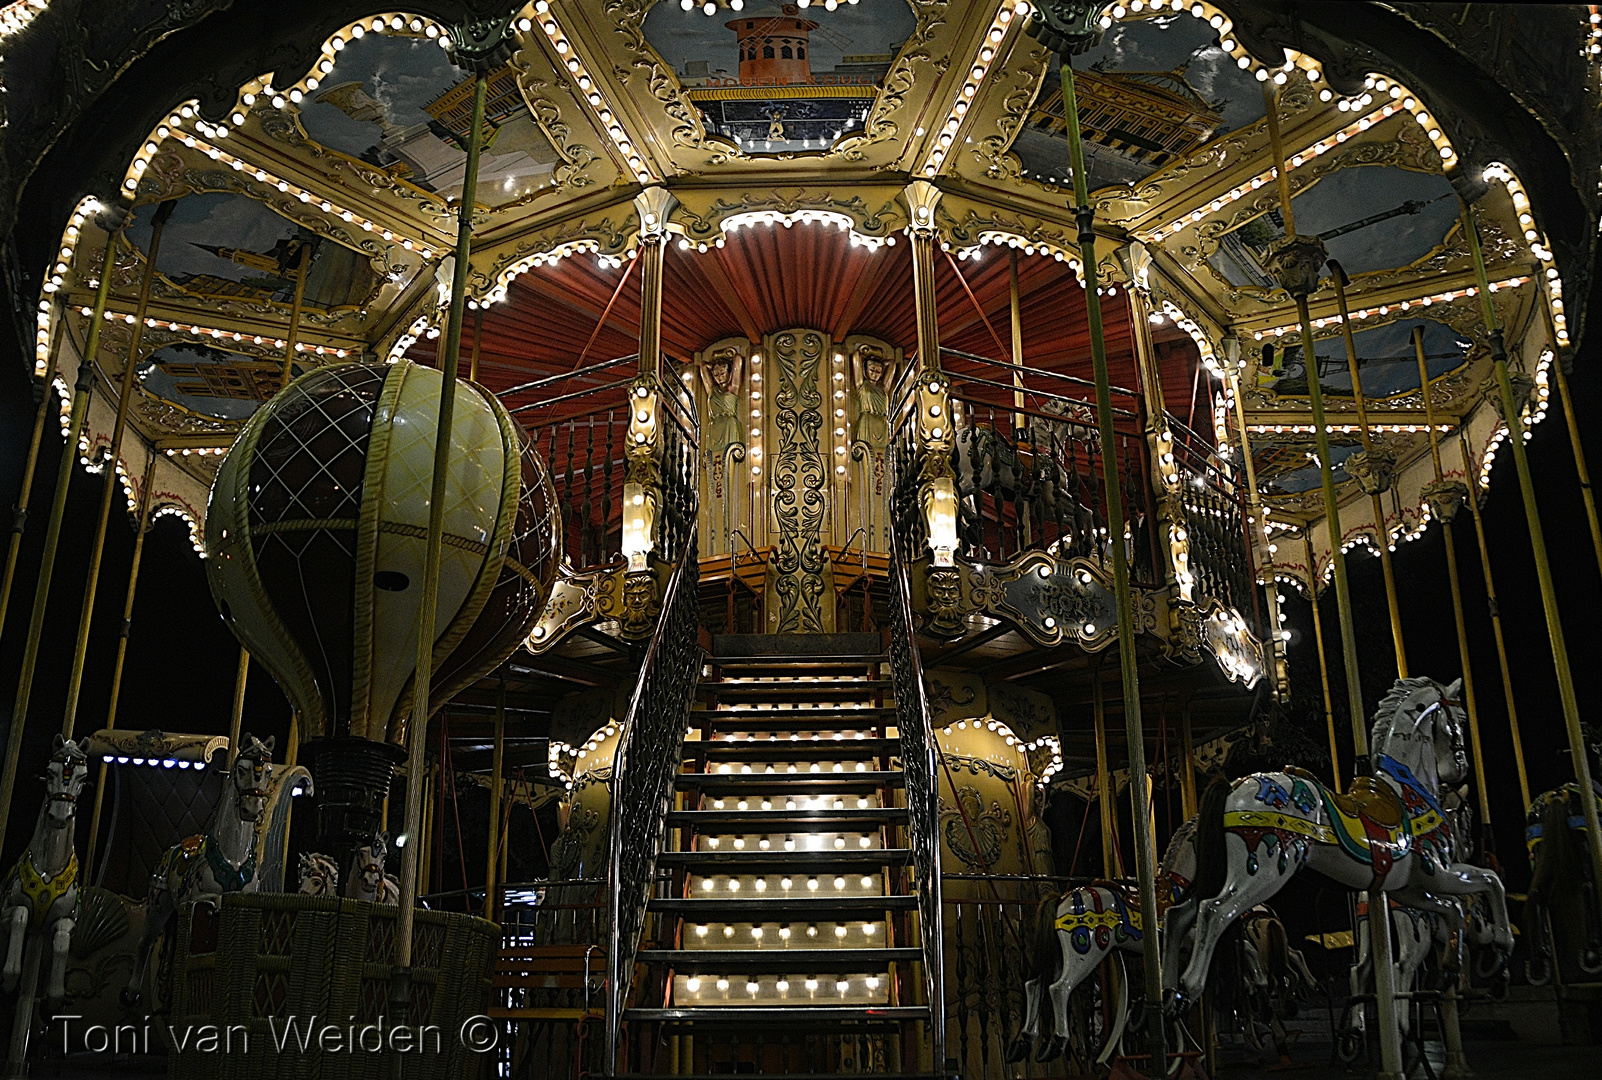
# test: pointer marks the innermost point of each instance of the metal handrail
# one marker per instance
(1027, 370)
(560, 376)
(923, 799)
(642, 792)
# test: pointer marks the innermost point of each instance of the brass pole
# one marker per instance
(1543, 568)
(1323, 662)
(497, 764)
(19, 519)
(1305, 282)
(1015, 312)
(924, 298)
(1480, 786)
(236, 718)
(417, 727)
(478, 339)
(1110, 865)
(1259, 517)
(1192, 804)
(1471, 472)
(1381, 533)
(653, 249)
(122, 650)
(110, 484)
(1580, 466)
(83, 389)
(293, 337)
(1134, 734)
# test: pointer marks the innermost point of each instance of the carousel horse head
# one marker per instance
(369, 863)
(318, 875)
(251, 769)
(1420, 724)
(64, 778)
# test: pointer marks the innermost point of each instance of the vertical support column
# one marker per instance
(1259, 517)
(1580, 466)
(1145, 856)
(110, 485)
(112, 219)
(1373, 473)
(236, 718)
(292, 338)
(142, 529)
(44, 400)
(653, 205)
(478, 340)
(1512, 415)
(1445, 499)
(922, 198)
(1191, 801)
(1015, 317)
(1106, 811)
(1295, 262)
(480, 47)
(1323, 660)
(1470, 472)
(498, 762)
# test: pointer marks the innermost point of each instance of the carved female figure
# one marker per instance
(722, 377)
(870, 369)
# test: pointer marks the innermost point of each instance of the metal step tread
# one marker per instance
(797, 685)
(789, 1015)
(812, 907)
(780, 961)
(838, 781)
(783, 750)
(800, 660)
(807, 712)
(760, 820)
(798, 861)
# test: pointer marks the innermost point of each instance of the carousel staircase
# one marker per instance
(787, 940)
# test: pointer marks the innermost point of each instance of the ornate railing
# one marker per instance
(1214, 503)
(579, 423)
(923, 799)
(1029, 465)
(649, 752)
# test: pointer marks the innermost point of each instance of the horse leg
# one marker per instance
(1018, 1049)
(1176, 930)
(158, 909)
(60, 941)
(17, 924)
(1462, 879)
(1243, 890)
(1074, 968)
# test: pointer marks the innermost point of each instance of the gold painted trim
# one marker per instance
(368, 527)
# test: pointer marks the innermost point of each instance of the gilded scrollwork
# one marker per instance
(798, 482)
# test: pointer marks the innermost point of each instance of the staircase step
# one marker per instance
(789, 1016)
(781, 961)
(810, 712)
(783, 750)
(800, 862)
(773, 781)
(756, 821)
(802, 686)
(815, 908)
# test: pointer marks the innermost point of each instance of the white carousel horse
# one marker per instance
(1087, 924)
(367, 880)
(319, 875)
(1389, 835)
(41, 891)
(206, 866)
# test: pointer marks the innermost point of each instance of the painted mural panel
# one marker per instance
(395, 101)
(1373, 217)
(212, 382)
(775, 78)
(1152, 92)
(222, 246)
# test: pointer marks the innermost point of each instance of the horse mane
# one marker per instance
(1181, 837)
(1395, 699)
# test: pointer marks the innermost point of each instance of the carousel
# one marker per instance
(920, 513)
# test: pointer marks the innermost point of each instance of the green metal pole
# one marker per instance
(1543, 568)
(110, 484)
(19, 521)
(83, 388)
(1134, 733)
(417, 727)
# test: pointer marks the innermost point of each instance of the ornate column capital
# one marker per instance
(922, 198)
(482, 43)
(653, 205)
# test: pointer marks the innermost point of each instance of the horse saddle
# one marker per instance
(1372, 799)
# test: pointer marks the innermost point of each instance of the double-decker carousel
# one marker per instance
(884, 439)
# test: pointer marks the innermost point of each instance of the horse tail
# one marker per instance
(1046, 952)
(1212, 860)
(1279, 972)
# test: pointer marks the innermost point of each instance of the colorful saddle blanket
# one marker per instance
(1570, 794)
(40, 891)
(1375, 824)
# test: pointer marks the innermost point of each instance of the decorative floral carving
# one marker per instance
(798, 481)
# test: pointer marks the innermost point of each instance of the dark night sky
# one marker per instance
(181, 660)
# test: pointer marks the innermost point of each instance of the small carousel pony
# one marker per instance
(206, 866)
(41, 891)
(1388, 835)
(1077, 930)
(319, 875)
(367, 880)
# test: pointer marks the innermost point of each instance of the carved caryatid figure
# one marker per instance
(872, 372)
(722, 376)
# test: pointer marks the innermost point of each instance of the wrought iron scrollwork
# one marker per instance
(923, 800)
(649, 753)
